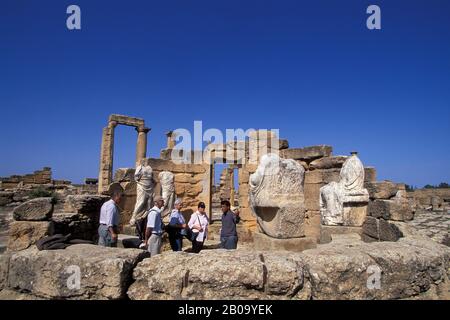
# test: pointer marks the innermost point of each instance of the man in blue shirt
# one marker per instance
(177, 226)
(109, 220)
(228, 233)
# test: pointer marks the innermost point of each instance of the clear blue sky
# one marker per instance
(310, 68)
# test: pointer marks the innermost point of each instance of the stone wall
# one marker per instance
(43, 176)
(434, 199)
(190, 185)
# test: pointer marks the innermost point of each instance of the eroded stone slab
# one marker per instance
(38, 209)
(105, 273)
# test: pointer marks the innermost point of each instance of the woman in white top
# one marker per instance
(199, 224)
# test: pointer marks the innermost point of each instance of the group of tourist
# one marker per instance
(196, 230)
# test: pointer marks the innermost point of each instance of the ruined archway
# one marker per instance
(107, 148)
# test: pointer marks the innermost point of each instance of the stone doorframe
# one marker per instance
(107, 148)
(217, 153)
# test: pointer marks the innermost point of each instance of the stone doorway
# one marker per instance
(225, 187)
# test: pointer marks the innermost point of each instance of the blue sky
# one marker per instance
(309, 68)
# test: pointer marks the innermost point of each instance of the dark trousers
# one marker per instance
(141, 226)
(197, 246)
(229, 242)
(176, 241)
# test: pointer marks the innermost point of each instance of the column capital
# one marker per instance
(171, 134)
(144, 130)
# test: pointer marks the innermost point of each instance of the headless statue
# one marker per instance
(144, 196)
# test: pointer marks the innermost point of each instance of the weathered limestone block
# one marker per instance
(322, 176)
(375, 229)
(244, 191)
(276, 197)
(345, 202)
(168, 165)
(188, 178)
(307, 153)
(246, 214)
(332, 162)
(6, 197)
(403, 202)
(180, 188)
(23, 234)
(390, 210)
(87, 203)
(193, 190)
(312, 196)
(355, 213)
(243, 176)
(4, 268)
(166, 179)
(436, 203)
(232, 275)
(381, 189)
(408, 268)
(312, 224)
(328, 233)
(38, 209)
(105, 272)
(263, 242)
(124, 174)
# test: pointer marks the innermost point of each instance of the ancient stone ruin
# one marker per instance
(313, 226)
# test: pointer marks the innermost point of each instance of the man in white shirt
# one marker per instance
(155, 227)
(109, 220)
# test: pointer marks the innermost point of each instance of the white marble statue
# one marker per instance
(349, 190)
(277, 198)
(144, 192)
(166, 179)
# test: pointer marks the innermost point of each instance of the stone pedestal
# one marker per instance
(328, 232)
(355, 214)
(265, 243)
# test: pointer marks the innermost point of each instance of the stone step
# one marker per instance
(128, 241)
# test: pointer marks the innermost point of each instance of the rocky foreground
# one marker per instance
(414, 267)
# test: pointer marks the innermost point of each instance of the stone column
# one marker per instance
(106, 157)
(232, 186)
(170, 140)
(141, 148)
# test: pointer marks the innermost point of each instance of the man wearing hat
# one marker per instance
(155, 228)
